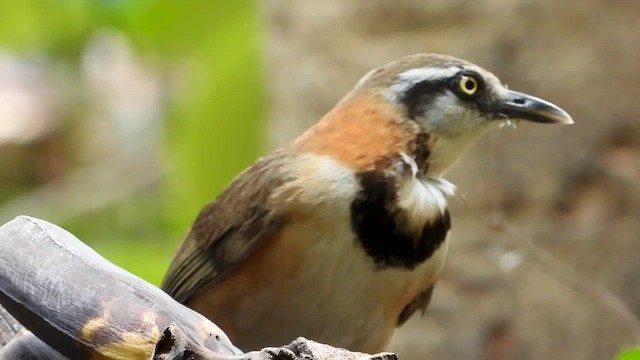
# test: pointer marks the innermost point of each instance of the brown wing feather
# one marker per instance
(228, 230)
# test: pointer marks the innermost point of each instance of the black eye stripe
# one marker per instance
(418, 97)
(421, 94)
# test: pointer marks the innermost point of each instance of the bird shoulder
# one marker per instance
(252, 210)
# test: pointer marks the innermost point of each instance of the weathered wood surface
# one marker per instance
(26, 346)
(49, 277)
(74, 301)
(9, 326)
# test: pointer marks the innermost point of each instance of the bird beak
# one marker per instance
(518, 106)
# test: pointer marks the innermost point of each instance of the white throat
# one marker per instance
(446, 151)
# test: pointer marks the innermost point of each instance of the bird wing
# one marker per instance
(228, 230)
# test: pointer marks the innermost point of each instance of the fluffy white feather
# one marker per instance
(423, 199)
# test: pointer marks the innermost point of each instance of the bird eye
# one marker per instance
(468, 85)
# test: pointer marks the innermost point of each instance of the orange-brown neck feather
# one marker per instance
(357, 132)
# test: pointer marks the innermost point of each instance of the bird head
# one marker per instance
(430, 106)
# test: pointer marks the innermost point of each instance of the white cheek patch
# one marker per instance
(445, 107)
(449, 116)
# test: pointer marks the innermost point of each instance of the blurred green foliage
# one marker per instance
(630, 354)
(213, 123)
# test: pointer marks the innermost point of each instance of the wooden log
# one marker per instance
(77, 305)
(9, 326)
(72, 298)
(26, 346)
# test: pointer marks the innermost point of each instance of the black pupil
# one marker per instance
(469, 84)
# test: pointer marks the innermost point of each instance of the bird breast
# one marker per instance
(334, 282)
(343, 267)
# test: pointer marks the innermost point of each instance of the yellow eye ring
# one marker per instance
(468, 85)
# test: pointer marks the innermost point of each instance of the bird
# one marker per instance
(341, 235)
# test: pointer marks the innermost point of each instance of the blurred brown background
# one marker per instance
(572, 193)
(140, 112)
